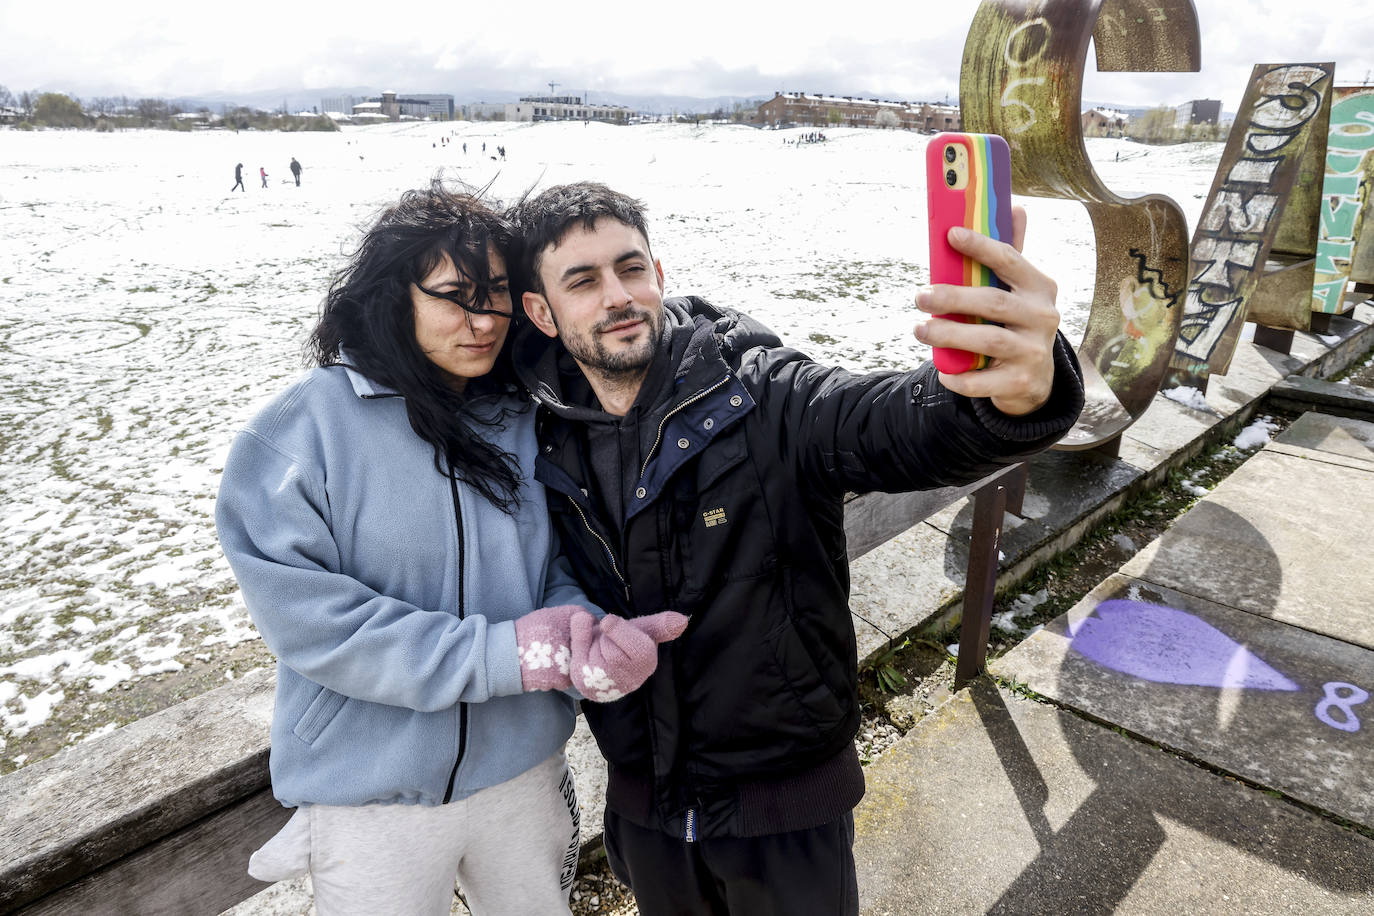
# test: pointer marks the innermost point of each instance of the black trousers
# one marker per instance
(804, 873)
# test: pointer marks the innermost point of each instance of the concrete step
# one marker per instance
(1000, 804)
(1238, 644)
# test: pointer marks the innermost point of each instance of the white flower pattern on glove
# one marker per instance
(561, 659)
(601, 684)
(540, 655)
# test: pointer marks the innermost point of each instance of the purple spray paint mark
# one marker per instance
(1343, 698)
(1169, 646)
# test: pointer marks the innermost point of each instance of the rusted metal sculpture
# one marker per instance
(1254, 248)
(1022, 78)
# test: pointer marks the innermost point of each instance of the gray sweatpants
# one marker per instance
(512, 847)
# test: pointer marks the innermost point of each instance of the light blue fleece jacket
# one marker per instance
(397, 674)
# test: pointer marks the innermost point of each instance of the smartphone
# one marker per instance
(968, 183)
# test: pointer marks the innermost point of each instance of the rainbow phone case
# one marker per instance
(983, 205)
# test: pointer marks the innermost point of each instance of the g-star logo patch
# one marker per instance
(713, 517)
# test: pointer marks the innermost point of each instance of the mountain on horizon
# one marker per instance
(308, 99)
(296, 100)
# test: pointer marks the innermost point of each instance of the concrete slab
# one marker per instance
(1252, 372)
(1272, 703)
(901, 583)
(1167, 428)
(1062, 488)
(1340, 437)
(1278, 538)
(1348, 337)
(997, 804)
(1301, 393)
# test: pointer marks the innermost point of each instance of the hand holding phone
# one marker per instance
(968, 184)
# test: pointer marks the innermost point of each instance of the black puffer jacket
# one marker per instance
(736, 519)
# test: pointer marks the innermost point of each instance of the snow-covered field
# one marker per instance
(146, 312)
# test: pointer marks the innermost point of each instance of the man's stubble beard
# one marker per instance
(626, 365)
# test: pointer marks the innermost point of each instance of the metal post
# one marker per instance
(980, 583)
(1016, 487)
(1321, 323)
(1109, 449)
(1280, 340)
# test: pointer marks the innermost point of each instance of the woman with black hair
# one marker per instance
(381, 518)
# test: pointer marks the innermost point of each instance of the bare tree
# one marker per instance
(6, 99)
(152, 111)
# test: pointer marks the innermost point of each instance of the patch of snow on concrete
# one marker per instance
(1256, 435)
(1187, 396)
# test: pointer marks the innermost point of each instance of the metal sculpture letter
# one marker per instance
(1345, 193)
(1253, 250)
(1022, 77)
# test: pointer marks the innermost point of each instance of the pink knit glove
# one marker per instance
(615, 655)
(543, 641)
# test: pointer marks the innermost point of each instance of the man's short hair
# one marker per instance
(542, 221)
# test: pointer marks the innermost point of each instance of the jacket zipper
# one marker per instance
(610, 554)
(462, 707)
(664, 422)
(689, 820)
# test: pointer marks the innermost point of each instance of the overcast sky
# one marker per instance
(900, 50)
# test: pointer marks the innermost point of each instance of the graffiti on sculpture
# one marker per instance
(1279, 125)
(1165, 645)
(1345, 191)
(1022, 78)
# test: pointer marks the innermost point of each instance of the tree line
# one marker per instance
(1157, 126)
(31, 110)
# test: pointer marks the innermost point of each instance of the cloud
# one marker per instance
(713, 47)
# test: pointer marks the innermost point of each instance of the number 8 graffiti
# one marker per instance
(1334, 699)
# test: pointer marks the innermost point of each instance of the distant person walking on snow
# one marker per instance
(238, 179)
(263, 172)
(296, 171)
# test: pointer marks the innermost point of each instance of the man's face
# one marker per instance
(603, 297)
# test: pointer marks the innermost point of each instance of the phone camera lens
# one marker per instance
(949, 153)
(951, 177)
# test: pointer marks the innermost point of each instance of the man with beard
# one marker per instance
(695, 464)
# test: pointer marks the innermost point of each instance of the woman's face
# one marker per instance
(460, 343)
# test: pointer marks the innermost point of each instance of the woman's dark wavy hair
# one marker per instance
(367, 323)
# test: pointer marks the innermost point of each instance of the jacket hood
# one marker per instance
(696, 334)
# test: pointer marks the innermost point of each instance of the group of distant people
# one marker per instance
(814, 136)
(262, 173)
(296, 166)
(500, 150)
